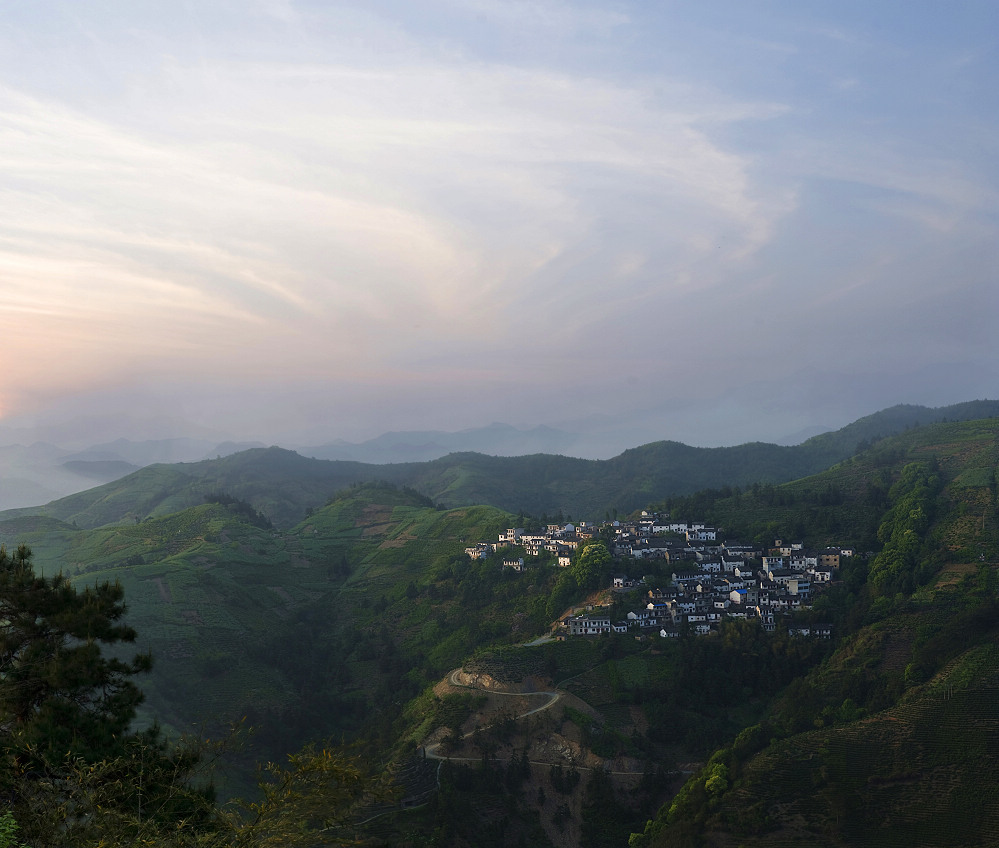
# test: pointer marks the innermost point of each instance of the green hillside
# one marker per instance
(848, 499)
(283, 485)
(342, 619)
(279, 483)
(307, 630)
(891, 740)
(829, 743)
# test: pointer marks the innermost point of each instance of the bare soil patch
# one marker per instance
(953, 572)
(374, 514)
(897, 651)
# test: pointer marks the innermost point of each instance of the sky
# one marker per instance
(289, 221)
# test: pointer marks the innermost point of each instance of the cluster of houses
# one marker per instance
(711, 580)
(714, 581)
(559, 540)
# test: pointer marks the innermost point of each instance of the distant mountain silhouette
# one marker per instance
(281, 484)
(424, 445)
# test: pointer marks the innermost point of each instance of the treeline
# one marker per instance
(908, 558)
(817, 513)
(241, 508)
(353, 662)
(590, 569)
(469, 796)
(694, 686)
(405, 494)
(857, 682)
(465, 809)
(702, 504)
(73, 772)
(893, 633)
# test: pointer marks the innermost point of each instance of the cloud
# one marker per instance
(347, 210)
(480, 200)
(546, 14)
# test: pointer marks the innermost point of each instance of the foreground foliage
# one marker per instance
(71, 772)
(369, 600)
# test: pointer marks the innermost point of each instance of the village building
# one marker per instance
(711, 581)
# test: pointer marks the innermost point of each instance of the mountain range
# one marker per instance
(282, 484)
(331, 599)
(41, 472)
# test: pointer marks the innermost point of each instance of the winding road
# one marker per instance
(452, 678)
(431, 751)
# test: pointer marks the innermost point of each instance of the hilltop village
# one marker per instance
(710, 580)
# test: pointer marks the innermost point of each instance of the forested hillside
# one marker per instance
(282, 485)
(314, 632)
(887, 741)
(347, 623)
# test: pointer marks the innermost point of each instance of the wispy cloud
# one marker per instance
(556, 15)
(429, 201)
(539, 191)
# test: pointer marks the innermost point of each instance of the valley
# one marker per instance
(365, 621)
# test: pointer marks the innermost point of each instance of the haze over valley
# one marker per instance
(550, 423)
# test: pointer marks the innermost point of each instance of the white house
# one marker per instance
(589, 625)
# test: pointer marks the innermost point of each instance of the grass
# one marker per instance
(334, 622)
(310, 630)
